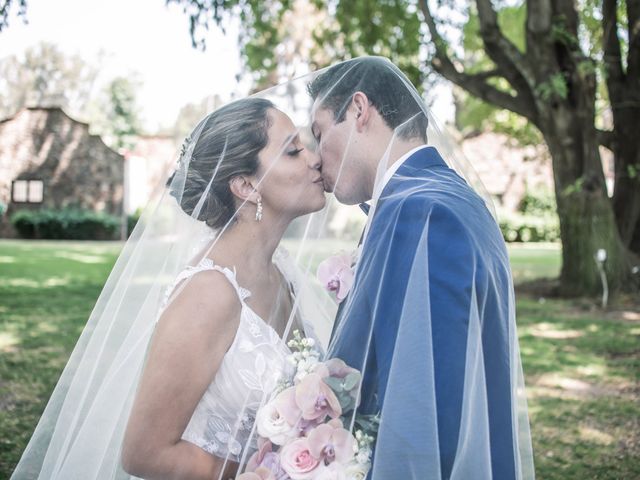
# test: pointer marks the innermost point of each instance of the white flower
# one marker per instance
(304, 367)
(308, 363)
(300, 376)
(363, 456)
(356, 470)
(273, 426)
(334, 471)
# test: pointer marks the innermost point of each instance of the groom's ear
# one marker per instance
(362, 110)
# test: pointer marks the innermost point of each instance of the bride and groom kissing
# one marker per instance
(426, 321)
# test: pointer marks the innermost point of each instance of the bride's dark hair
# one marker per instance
(227, 146)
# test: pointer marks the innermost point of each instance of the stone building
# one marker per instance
(49, 160)
(508, 171)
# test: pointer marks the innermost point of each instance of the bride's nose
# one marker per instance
(313, 159)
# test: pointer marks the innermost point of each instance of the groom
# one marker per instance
(416, 285)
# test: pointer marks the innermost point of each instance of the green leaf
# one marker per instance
(554, 88)
(335, 384)
(351, 380)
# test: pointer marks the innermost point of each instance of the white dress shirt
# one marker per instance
(379, 187)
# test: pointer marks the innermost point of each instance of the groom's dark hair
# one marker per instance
(387, 88)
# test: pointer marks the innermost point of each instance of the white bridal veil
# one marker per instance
(80, 433)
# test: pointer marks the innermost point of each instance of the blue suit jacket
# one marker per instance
(465, 251)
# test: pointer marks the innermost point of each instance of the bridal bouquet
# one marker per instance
(301, 430)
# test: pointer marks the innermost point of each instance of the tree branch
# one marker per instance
(539, 39)
(5, 10)
(505, 54)
(476, 84)
(487, 74)
(633, 55)
(539, 18)
(611, 43)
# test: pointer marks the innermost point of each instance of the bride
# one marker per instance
(198, 335)
(219, 345)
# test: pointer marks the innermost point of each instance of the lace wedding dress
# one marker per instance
(223, 420)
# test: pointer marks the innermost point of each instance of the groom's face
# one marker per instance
(336, 147)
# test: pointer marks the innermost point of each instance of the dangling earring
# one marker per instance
(259, 211)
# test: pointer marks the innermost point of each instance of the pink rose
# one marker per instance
(336, 275)
(315, 399)
(297, 460)
(331, 442)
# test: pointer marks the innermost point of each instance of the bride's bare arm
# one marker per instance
(190, 340)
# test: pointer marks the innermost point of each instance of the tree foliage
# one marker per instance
(45, 76)
(115, 113)
(6, 9)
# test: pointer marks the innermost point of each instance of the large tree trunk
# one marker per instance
(623, 86)
(587, 221)
(567, 122)
(626, 199)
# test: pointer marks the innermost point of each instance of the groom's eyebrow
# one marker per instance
(314, 127)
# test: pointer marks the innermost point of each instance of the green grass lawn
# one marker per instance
(581, 365)
(535, 260)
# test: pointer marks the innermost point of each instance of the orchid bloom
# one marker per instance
(336, 275)
(315, 399)
(331, 442)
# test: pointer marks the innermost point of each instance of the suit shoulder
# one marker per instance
(430, 205)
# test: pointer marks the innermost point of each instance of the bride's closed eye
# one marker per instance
(295, 152)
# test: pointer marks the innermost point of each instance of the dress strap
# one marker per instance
(204, 265)
(207, 264)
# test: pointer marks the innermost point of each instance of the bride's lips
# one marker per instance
(319, 181)
(326, 186)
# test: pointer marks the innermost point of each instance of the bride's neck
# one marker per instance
(248, 243)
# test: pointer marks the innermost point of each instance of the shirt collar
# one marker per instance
(385, 180)
(391, 172)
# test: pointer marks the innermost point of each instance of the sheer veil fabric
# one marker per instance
(431, 242)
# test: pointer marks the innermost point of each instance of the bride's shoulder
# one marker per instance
(200, 322)
(207, 295)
